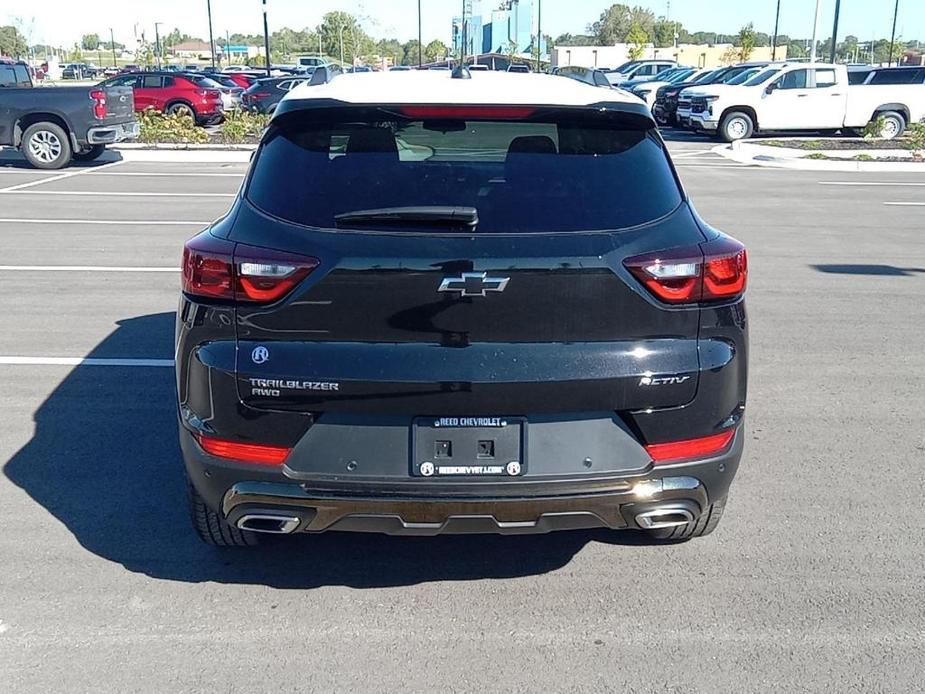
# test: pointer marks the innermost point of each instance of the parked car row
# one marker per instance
(53, 127)
(739, 101)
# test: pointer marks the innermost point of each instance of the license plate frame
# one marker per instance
(468, 456)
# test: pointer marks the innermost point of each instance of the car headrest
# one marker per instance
(372, 141)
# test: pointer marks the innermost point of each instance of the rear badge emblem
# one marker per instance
(260, 355)
(473, 284)
(663, 381)
(427, 469)
(513, 468)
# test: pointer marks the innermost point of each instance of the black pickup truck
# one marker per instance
(54, 126)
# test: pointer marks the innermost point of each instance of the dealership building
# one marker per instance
(509, 29)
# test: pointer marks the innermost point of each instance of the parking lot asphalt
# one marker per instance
(815, 579)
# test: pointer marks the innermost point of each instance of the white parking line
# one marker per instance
(108, 222)
(69, 174)
(83, 268)
(897, 184)
(905, 204)
(84, 361)
(106, 193)
(171, 175)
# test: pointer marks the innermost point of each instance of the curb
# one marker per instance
(782, 158)
(227, 154)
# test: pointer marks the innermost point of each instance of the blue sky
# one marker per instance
(63, 21)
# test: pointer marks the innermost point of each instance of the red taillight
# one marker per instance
(209, 94)
(99, 104)
(468, 112)
(704, 447)
(208, 269)
(214, 268)
(260, 95)
(257, 454)
(713, 271)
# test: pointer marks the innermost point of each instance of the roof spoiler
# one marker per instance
(324, 74)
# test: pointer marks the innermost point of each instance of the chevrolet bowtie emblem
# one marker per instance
(473, 284)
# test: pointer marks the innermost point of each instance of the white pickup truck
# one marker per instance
(803, 96)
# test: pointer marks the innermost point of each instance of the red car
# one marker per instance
(241, 79)
(183, 94)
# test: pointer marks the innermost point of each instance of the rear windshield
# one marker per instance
(14, 76)
(518, 176)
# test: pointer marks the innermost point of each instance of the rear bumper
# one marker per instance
(416, 507)
(109, 134)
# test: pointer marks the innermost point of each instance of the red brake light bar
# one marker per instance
(704, 447)
(468, 112)
(257, 454)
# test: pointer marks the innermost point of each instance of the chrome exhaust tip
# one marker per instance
(268, 523)
(664, 517)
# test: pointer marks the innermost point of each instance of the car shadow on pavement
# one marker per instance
(104, 461)
(881, 270)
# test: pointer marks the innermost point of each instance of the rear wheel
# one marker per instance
(95, 152)
(212, 528)
(704, 525)
(180, 109)
(46, 146)
(736, 126)
(894, 124)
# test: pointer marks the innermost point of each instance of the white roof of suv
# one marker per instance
(439, 87)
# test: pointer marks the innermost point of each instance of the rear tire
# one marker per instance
(736, 126)
(212, 528)
(180, 109)
(92, 154)
(46, 146)
(704, 525)
(894, 124)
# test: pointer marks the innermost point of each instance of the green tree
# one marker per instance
(638, 39)
(613, 26)
(574, 40)
(434, 51)
(90, 42)
(410, 52)
(745, 43)
(12, 42)
(663, 33)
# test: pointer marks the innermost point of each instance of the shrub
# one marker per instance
(915, 140)
(816, 155)
(156, 127)
(874, 129)
(863, 157)
(241, 127)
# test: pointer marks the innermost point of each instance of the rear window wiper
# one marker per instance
(426, 216)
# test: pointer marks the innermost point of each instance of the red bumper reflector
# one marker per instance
(257, 454)
(691, 448)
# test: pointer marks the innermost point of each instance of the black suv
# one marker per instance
(462, 314)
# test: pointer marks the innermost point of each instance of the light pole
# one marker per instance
(112, 45)
(539, 35)
(266, 38)
(893, 35)
(812, 50)
(157, 43)
(420, 45)
(776, 26)
(211, 37)
(835, 32)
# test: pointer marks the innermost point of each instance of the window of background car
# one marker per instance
(520, 176)
(901, 76)
(14, 76)
(744, 76)
(825, 78)
(151, 82)
(796, 79)
(761, 77)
